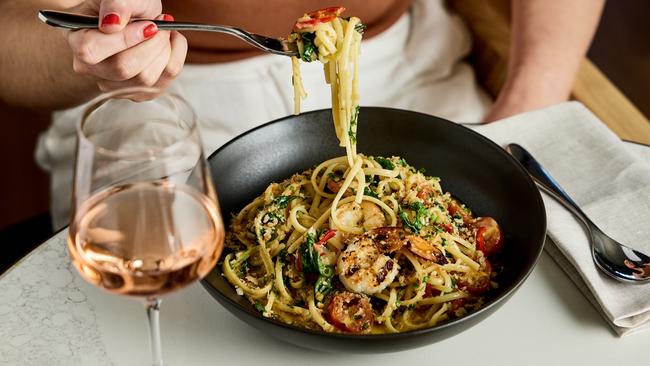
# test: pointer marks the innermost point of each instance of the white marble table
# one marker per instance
(50, 316)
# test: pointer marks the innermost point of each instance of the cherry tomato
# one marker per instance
(454, 207)
(488, 236)
(479, 286)
(480, 239)
(454, 305)
(351, 312)
(429, 291)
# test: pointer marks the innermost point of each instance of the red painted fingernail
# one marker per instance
(150, 31)
(168, 18)
(111, 19)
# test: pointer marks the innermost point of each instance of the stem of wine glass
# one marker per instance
(153, 314)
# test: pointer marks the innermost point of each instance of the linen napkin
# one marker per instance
(608, 181)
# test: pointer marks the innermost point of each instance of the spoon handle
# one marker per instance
(546, 182)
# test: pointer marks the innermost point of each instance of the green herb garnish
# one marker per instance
(270, 216)
(353, 126)
(420, 212)
(243, 268)
(259, 307)
(282, 256)
(283, 201)
(312, 263)
(424, 281)
(323, 286)
(309, 257)
(243, 257)
(368, 192)
(309, 50)
(385, 163)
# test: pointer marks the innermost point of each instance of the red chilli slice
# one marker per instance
(328, 235)
(331, 11)
(317, 17)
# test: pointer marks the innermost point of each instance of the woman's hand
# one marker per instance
(121, 54)
(522, 94)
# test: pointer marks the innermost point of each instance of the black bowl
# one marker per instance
(472, 168)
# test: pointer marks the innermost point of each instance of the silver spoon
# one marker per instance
(613, 258)
(77, 21)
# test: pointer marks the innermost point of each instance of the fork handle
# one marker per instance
(76, 22)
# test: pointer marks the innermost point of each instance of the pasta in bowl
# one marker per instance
(475, 170)
(388, 253)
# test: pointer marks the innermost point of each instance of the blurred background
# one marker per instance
(620, 49)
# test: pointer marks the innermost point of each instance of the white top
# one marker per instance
(51, 316)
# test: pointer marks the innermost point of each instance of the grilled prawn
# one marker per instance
(364, 266)
(366, 215)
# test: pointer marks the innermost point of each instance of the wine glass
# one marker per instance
(145, 216)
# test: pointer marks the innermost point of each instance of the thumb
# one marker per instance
(113, 15)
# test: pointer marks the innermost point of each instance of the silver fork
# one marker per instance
(71, 21)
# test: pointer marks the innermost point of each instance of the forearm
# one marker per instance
(549, 41)
(36, 64)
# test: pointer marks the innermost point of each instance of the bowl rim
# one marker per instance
(492, 303)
